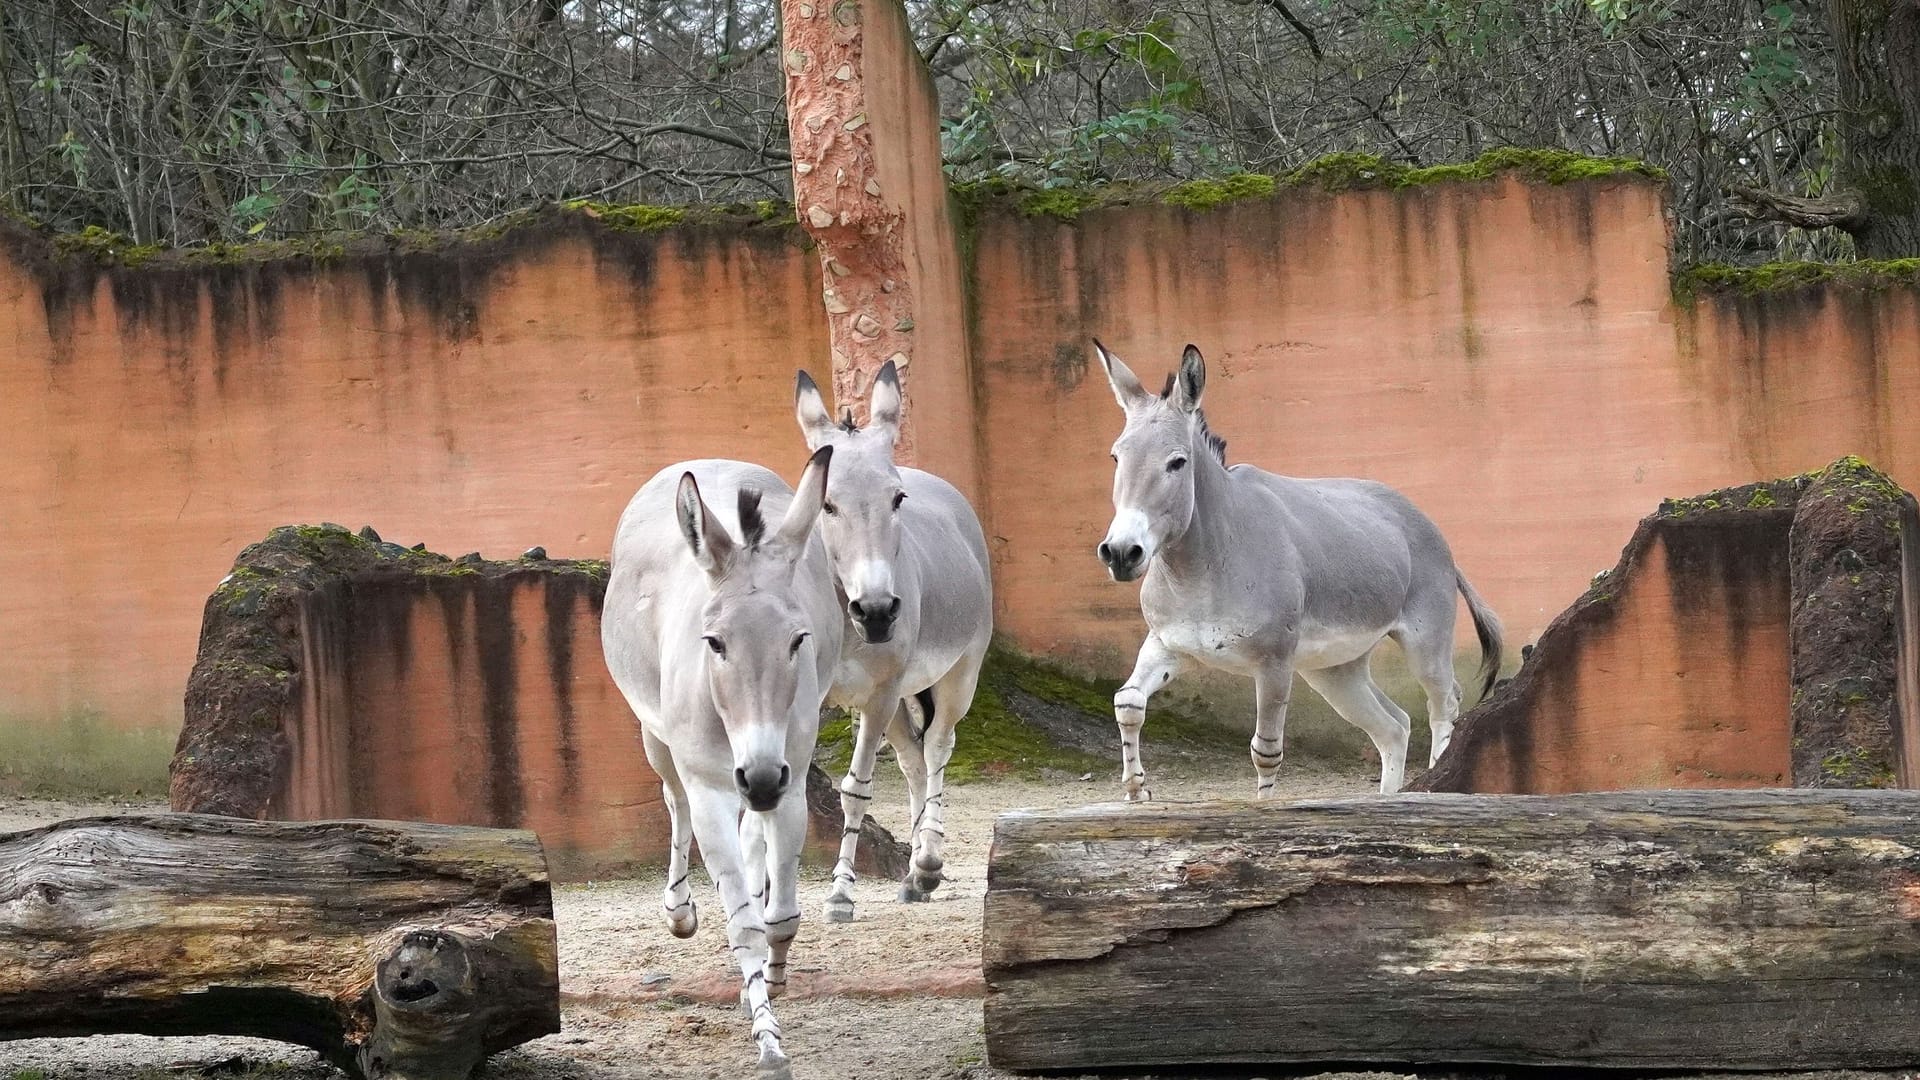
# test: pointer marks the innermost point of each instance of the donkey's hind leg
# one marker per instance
(683, 917)
(952, 696)
(1349, 689)
(1155, 668)
(1429, 649)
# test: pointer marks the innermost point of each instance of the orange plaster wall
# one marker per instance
(149, 431)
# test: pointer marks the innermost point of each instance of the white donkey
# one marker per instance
(910, 560)
(1266, 575)
(724, 644)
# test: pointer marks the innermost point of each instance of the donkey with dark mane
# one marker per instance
(909, 562)
(1265, 575)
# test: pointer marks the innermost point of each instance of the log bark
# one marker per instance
(1681, 929)
(397, 950)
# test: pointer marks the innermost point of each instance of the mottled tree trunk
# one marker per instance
(1877, 46)
(1875, 196)
(400, 951)
(1647, 930)
(861, 230)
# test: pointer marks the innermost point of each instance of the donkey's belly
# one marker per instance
(1326, 646)
(1225, 648)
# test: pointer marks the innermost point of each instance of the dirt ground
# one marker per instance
(895, 995)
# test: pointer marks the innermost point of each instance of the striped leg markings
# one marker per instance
(856, 797)
(1154, 668)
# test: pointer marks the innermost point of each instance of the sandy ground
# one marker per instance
(895, 995)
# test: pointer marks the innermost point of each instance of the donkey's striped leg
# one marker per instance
(785, 829)
(1272, 688)
(856, 802)
(1155, 668)
(718, 825)
(952, 696)
(683, 917)
(909, 752)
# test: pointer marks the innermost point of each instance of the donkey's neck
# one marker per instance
(1208, 538)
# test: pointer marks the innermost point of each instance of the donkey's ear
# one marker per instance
(1192, 380)
(808, 498)
(883, 408)
(1126, 386)
(811, 410)
(711, 545)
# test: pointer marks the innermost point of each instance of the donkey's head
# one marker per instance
(759, 642)
(1154, 462)
(862, 526)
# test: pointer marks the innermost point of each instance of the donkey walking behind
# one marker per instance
(1266, 575)
(724, 643)
(910, 562)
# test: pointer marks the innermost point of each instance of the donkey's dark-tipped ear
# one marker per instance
(706, 537)
(1192, 381)
(883, 408)
(808, 496)
(1126, 385)
(811, 410)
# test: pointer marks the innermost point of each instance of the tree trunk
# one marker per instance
(1648, 930)
(400, 951)
(1877, 55)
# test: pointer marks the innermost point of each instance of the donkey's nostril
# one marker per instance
(1105, 553)
(740, 778)
(785, 775)
(1134, 553)
(853, 608)
(893, 609)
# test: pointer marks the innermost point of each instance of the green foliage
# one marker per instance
(1207, 194)
(638, 218)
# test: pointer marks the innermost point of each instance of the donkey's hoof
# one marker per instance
(840, 909)
(911, 895)
(773, 1065)
(684, 926)
(1141, 794)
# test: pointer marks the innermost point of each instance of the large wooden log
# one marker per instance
(401, 951)
(1683, 929)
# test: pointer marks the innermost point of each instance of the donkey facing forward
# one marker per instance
(1266, 575)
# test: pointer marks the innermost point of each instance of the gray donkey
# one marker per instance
(724, 644)
(910, 561)
(1266, 575)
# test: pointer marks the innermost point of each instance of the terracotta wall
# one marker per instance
(1508, 354)
(154, 421)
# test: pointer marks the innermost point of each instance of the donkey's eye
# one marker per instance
(799, 639)
(1176, 464)
(715, 644)
(898, 498)
(829, 509)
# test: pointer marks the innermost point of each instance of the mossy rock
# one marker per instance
(1723, 279)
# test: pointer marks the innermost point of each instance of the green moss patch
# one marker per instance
(81, 756)
(1030, 719)
(1334, 172)
(1723, 279)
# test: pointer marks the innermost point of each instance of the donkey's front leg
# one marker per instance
(786, 832)
(952, 696)
(1272, 687)
(717, 825)
(856, 799)
(1155, 668)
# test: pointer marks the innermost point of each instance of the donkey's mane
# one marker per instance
(1215, 442)
(753, 527)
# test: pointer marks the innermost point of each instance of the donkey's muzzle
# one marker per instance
(1123, 560)
(875, 619)
(762, 785)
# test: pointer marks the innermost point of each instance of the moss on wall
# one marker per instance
(1334, 172)
(1721, 278)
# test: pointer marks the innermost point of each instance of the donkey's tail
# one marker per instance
(1487, 626)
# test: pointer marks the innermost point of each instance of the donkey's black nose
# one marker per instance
(762, 785)
(874, 619)
(1122, 562)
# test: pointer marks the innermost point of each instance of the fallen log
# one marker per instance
(1680, 929)
(397, 950)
